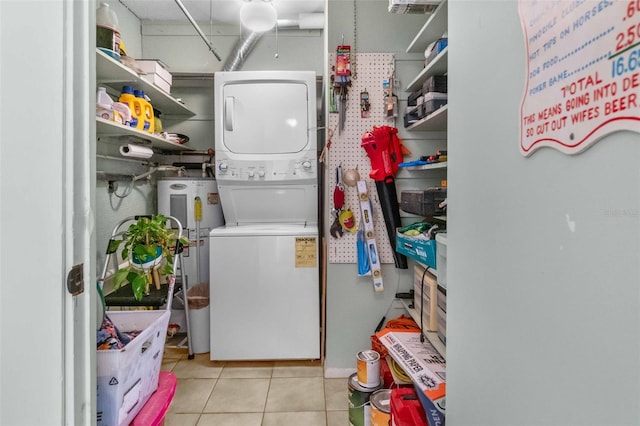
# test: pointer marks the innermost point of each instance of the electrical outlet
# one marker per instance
(113, 186)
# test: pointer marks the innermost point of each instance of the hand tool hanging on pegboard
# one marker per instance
(365, 105)
(385, 151)
(371, 248)
(338, 205)
(341, 82)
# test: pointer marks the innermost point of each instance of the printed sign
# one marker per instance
(306, 252)
(583, 72)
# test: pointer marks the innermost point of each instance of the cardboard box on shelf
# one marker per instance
(419, 248)
(154, 66)
(157, 81)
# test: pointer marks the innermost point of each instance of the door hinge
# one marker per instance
(75, 280)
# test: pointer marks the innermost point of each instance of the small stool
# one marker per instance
(124, 297)
(154, 411)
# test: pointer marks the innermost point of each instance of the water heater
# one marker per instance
(177, 197)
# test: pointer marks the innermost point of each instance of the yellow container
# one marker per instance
(368, 368)
(146, 122)
(127, 97)
(380, 402)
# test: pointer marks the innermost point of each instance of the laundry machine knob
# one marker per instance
(261, 173)
(251, 173)
(306, 165)
(223, 167)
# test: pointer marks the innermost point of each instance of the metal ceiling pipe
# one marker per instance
(197, 28)
(240, 51)
(247, 41)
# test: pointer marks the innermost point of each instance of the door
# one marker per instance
(265, 112)
(47, 342)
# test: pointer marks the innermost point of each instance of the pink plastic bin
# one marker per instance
(154, 411)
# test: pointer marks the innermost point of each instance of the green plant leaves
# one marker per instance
(138, 285)
(120, 277)
(142, 239)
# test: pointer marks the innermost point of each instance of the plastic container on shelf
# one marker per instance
(145, 122)
(128, 98)
(122, 112)
(104, 105)
(107, 109)
(107, 31)
(157, 123)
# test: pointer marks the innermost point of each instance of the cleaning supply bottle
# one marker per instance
(108, 31)
(146, 121)
(104, 104)
(157, 123)
(127, 97)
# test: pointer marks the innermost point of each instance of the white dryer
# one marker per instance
(265, 292)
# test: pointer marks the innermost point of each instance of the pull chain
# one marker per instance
(354, 74)
(277, 55)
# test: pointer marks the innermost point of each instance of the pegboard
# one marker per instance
(345, 150)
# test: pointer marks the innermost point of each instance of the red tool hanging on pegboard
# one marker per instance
(385, 151)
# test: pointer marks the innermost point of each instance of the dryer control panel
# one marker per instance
(304, 168)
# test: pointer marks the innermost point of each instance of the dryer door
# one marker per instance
(265, 117)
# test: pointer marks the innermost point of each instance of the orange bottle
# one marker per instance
(146, 122)
(127, 97)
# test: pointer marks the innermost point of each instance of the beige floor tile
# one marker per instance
(310, 418)
(198, 368)
(297, 371)
(175, 353)
(246, 372)
(338, 418)
(238, 396)
(296, 394)
(191, 395)
(336, 393)
(231, 419)
(168, 364)
(178, 419)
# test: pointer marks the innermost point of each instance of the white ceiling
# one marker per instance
(227, 11)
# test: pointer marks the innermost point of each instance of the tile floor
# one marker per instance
(269, 393)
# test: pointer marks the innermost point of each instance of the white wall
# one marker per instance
(130, 33)
(543, 320)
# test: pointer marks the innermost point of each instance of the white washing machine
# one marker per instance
(265, 292)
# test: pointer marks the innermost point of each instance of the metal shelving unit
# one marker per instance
(115, 75)
(125, 133)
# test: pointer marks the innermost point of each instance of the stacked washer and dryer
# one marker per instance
(264, 263)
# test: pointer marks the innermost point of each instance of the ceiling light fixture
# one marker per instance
(258, 15)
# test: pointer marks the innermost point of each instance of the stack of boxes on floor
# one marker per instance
(430, 301)
(381, 394)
